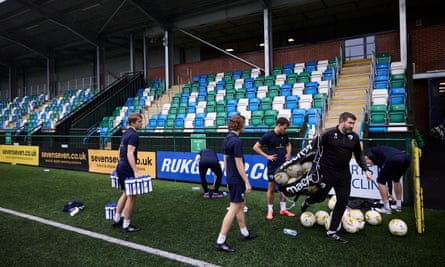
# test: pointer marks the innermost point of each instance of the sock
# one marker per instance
(387, 205)
(221, 239)
(331, 232)
(126, 223)
(399, 203)
(117, 217)
(269, 207)
(244, 231)
(283, 205)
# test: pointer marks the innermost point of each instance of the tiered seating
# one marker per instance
(143, 99)
(211, 99)
(388, 97)
(11, 113)
(397, 99)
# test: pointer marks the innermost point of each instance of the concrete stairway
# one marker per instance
(156, 105)
(350, 93)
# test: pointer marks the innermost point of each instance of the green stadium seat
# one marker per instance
(397, 113)
(221, 118)
(378, 114)
(270, 116)
(266, 103)
(220, 106)
(383, 58)
(257, 118)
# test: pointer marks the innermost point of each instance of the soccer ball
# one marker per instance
(332, 201)
(306, 166)
(356, 214)
(351, 225)
(281, 178)
(373, 217)
(321, 217)
(327, 223)
(294, 170)
(398, 227)
(292, 180)
(307, 219)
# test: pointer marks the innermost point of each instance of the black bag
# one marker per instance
(309, 182)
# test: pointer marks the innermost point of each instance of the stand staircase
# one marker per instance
(350, 93)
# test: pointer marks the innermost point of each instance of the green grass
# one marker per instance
(175, 218)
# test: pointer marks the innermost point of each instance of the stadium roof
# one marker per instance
(33, 30)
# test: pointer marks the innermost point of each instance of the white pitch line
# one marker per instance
(120, 242)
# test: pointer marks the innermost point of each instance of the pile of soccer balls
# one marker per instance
(292, 173)
(353, 220)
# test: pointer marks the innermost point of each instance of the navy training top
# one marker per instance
(233, 148)
(276, 144)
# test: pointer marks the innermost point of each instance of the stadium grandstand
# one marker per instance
(72, 71)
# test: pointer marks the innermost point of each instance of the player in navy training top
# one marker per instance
(237, 182)
(126, 168)
(278, 151)
(393, 164)
(207, 159)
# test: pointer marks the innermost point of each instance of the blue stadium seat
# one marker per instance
(298, 117)
(254, 104)
(397, 96)
(286, 90)
(152, 123)
(161, 120)
(291, 102)
(179, 121)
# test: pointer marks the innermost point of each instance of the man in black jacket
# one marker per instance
(337, 145)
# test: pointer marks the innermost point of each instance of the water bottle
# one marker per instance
(291, 232)
(74, 211)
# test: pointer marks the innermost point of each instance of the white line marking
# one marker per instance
(120, 242)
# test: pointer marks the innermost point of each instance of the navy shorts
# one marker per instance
(237, 192)
(124, 174)
(394, 169)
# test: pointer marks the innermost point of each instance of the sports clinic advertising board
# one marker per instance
(181, 166)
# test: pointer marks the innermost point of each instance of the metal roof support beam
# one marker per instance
(268, 55)
(145, 57)
(403, 34)
(12, 81)
(132, 54)
(100, 66)
(111, 17)
(24, 46)
(50, 74)
(221, 50)
(58, 20)
(167, 61)
(149, 11)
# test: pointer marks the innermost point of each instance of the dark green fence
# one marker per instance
(179, 142)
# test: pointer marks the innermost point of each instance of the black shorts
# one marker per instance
(237, 192)
(393, 169)
(123, 174)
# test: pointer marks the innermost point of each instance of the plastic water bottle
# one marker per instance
(74, 211)
(291, 232)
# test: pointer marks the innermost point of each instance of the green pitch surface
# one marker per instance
(176, 220)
